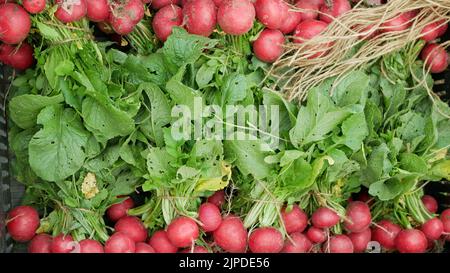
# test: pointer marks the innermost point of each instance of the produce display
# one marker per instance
(211, 126)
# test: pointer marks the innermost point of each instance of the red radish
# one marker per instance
(119, 242)
(316, 2)
(117, 211)
(200, 17)
(430, 203)
(22, 223)
(124, 16)
(158, 4)
(271, 13)
(363, 195)
(268, 47)
(144, 248)
(308, 29)
(358, 217)
(196, 249)
(399, 23)
(70, 10)
(41, 243)
(165, 19)
(209, 216)
(97, 10)
(218, 198)
(339, 244)
(294, 220)
(231, 235)
(133, 9)
(360, 240)
(236, 17)
(161, 244)
(385, 233)
(430, 32)
(443, 26)
(15, 23)
(122, 25)
(19, 58)
(433, 229)
(63, 244)
(445, 218)
(218, 2)
(411, 241)
(310, 10)
(435, 57)
(299, 244)
(265, 240)
(91, 246)
(337, 8)
(34, 6)
(133, 227)
(182, 231)
(316, 235)
(324, 218)
(292, 20)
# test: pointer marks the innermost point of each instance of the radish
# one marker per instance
(34, 6)
(435, 57)
(161, 244)
(231, 235)
(19, 58)
(311, 10)
(308, 29)
(124, 16)
(265, 240)
(433, 229)
(15, 23)
(63, 244)
(70, 10)
(337, 8)
(97, 10)
(218, 198)
(209, 216)
(399, 23)
(442, 27)
(41, 243)
(90, 246)
(119, 242)
(200, 17)
(316, 2)
(299, 243)
(338, 244)
(158, 4)
(165, 19)
(385, 233)
(182, 231)
(430, 32)
(292, 20)
(22, 223)
(430, 203)
(294, 220)
(144, 248)
(360, 240)
(117, 211)
(236, 17)
(445, 218)
(133, 227)
(271, 13)
(268, 47)
(358, 217)
(316, 235)
(196, 249)
(218, 2)
(411, 241)
(324, 218)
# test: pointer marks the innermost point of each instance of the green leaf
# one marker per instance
(297, 176)
(234, 89)
(351, 89)
(386, 190)
(180, 93)
(377, 164)
(205, 74)
(413, 163)
(354, 130)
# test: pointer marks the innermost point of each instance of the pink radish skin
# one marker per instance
(210, 217)
(385, 233)
(399, 23)
(308, 29)
(161, 244)
(19, 58)
(430, 203)
(119, 242)
(218, 198)
(125, 16)
(134, 9)
(443, 26)
(430, 32)
(165, 19)
(316, 235)
(411, 241)
(294, 220)
(324, 218)
(133, 227)
(433, 229)
(63, 244)
(316, 2)
(339, 244)
(15, 23)
(200, 17)
(231, 235)
(34, 6)
(97, 10)
(22, 223)
(360, 240)
(144, 248)
(236, 17)
(445, 218)
(311, 10)
(197, 249)
(117, 211)
(266, 240)
(435, 57)
(158, 4)
(182, 232)
(41, 243)
(337, 8)
(358, 217)
(268, 47)
(292, 20)
(70, 11)
(91, 246)
(299, 244)
(271, 13)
